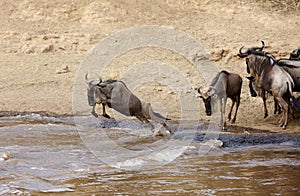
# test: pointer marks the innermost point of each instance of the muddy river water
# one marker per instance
(53, 155)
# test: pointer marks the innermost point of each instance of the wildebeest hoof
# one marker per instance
(106, 116)
(94, 114)
(224, 128)
(266, 115)
(158, 133)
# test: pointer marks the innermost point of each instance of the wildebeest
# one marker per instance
(95, 96)
(270, 77)
(121, 99)
(254, 90)
(224, 85)
(291, 66)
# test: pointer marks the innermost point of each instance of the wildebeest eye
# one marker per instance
(215, 96)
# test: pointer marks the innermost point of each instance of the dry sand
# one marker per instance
(44, 43)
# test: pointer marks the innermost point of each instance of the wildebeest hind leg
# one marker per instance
(236, 108)
(285, 108)
(230, 111)
(144, 120)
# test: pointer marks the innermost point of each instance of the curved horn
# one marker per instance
(199, 90)
(100, 79)
(260, 48)
(86, 78)
(243, 54)
(262, 44)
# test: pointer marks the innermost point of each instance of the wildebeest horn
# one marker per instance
(86, 78)
(259, 48)
(243, 54)
(100, 79)
(199, 90)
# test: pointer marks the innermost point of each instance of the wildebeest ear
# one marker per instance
(251, 78)
(211, 92)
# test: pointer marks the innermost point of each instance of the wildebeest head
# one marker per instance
(295, 55)
(254, 50)
(93, 93)
(206, 94)
(257, 59)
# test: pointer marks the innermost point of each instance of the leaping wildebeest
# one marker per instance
(224, 85)
(116, 95)
(270, 77)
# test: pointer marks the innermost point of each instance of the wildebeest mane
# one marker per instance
(109, 81)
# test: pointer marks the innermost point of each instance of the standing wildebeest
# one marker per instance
(254, 90)
(121, 99)
(291, 66)
(270, 77)
(224, 85)
(95, 96)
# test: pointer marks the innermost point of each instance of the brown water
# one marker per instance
(47, 155)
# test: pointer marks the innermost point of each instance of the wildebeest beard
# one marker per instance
(91, 99)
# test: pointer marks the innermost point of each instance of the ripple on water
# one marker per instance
(48, 155)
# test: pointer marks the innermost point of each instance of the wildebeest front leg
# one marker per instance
(104, 112)
(223, 109)
(93, 111)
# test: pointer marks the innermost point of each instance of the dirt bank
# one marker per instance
(43, 44)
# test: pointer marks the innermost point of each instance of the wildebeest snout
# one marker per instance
(207, 106)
